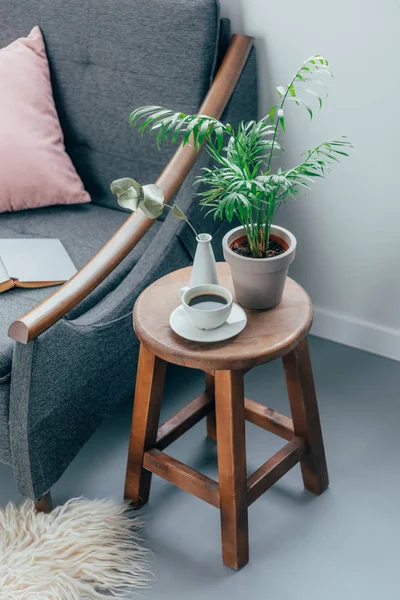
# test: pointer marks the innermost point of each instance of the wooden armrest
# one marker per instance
(53, 308)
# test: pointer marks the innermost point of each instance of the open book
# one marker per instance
(31, 263)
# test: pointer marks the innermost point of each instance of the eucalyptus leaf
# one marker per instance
(178, 213)
(152, 204)
(128, 191)
(129, 199)
(133, 196)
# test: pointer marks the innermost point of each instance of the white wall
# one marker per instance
(348, 226)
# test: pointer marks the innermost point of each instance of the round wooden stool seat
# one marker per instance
(268, 335)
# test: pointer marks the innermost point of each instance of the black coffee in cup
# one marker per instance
(207, 302)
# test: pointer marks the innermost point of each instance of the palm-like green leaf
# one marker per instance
(241, 183)
(304, 83)
(318, 161)
(169, 125)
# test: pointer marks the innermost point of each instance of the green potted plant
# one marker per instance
(242, 184)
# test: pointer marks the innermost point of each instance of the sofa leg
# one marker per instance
(44, 504)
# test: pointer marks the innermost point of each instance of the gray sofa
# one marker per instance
(106, 58)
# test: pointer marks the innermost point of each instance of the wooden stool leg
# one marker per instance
(229, 407)
(211, 424)
(145, 419)
(305, 415)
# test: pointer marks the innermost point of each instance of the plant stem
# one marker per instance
(281, 106)
(186, 220)
(191, 227)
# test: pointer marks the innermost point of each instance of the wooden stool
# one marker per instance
(277, 333)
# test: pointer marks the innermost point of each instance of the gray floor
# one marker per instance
(343, 544)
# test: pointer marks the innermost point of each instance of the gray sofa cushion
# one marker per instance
(83, 229)
(109, 57)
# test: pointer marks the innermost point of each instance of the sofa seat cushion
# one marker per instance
(83, 229)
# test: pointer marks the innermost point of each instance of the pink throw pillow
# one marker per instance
(35, 169)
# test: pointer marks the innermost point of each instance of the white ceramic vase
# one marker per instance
(204, 268)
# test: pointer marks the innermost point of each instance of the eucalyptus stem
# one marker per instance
(191, 227)
(181, 216)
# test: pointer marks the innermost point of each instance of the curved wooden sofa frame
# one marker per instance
(53, 308)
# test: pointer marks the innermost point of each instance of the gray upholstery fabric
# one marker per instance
(64, 383)
(95, 367)
(224, 40)
(83, 229)
(107, 58)
(5, 450)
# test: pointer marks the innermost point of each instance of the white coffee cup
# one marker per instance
(206, 319)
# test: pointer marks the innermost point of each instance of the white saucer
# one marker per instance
(182, 326)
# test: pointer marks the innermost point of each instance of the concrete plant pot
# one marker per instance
(259, 282)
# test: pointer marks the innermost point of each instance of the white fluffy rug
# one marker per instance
(86, 549)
